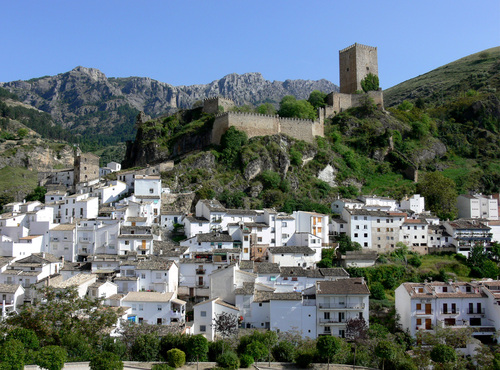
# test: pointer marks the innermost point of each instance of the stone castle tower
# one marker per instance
(86, 167)
(355, 62)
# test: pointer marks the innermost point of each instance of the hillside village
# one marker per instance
(111, 239)
(181, 261)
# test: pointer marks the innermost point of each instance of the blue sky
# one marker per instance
(196, 42)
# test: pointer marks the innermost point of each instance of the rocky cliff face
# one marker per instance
(85, 100)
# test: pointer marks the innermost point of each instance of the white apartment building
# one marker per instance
(336, 303)
(63, 241)
(313, 223)
(477, 206)
(466, 234)
(426, 306)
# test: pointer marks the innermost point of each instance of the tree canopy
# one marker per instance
(440, 194)
(370, 83)
(291, 107)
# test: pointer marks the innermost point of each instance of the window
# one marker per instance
(203, 313)
(151, 191)
(159, 307)
(143, 276)
(356, 235)
(365, 218)
(357, 227)
(141, 307)
(355, 217)
(366, 235)
(203, 328)
(366, 244)
(127, 242)
(259, 239)
(378, 220)
(365, 227)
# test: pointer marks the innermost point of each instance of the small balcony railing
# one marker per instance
(475, 311)
(426, 312)
(340, 306)
(200, 271)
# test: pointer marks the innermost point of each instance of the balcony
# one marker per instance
(332, 321)
(450, 312)
(341, 306)
(425, 313)
(475, 311)
(200, 271)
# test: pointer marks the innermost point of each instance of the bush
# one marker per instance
(215, 349)
(284, 351)
(257, 350)
(176, 358)
(271, 179)
(415, 260)
(377, 291)
(246, 360)
(304, 358)
(161, 367)
(106, 361)
(51, 357)
(228, 360)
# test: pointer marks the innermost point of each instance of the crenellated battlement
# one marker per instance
(360, 46)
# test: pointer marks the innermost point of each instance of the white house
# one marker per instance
(206, 312)
(12, 297)
(293, 256)
(155, 308)
(425, 306)
(415, 203)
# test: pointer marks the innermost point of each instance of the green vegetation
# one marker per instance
(291, 107)
(477, 72)
(370, 83)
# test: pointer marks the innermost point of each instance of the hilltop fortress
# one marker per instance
(355, 62)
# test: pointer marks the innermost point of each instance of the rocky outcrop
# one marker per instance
(35, 154)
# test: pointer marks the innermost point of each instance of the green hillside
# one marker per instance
(479, 72)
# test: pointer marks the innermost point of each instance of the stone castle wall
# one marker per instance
(338, 102)
(211, 105)
(355, 62)
(254, 124)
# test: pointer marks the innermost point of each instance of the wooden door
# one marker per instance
(428, 324)
(428, 309)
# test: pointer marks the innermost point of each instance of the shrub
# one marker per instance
(377, 291)
(106, 361)
(246, 360)
(257, 350)
(161, 367)
(51, 357)
(176, 358)
(415, 260)
(304, 358)
(284, 351)
(271, 179)
(228, 360)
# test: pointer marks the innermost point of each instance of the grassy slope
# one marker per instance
(477, 71)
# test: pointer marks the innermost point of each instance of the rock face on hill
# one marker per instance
(85, 99)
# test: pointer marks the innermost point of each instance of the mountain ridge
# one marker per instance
(87, 102)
